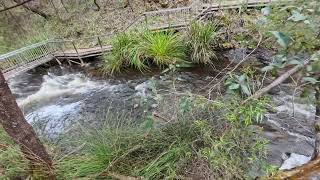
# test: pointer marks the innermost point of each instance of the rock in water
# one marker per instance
(294, 160)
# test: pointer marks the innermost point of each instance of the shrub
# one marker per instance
(124, 53)
(139, 48)
(198, 129)
(200, 40)
(164, 48)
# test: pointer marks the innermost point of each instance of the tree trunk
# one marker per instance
(14, 123)
(317, 122)
(33, 8)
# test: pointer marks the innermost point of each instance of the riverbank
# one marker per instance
(71, 101)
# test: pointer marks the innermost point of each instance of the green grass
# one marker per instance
(12, 162)
(212, 131)
(164, 48)
(201, 129)
(140, 50)
(200, 39)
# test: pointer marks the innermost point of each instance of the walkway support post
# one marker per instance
(81, 61)
(99, 41)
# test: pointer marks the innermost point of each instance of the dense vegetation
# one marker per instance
(201, 138)
(211, 133)
(142, 49)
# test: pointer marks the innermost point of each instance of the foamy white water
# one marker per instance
(54, 86)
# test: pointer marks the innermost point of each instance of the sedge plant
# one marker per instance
(201, 38)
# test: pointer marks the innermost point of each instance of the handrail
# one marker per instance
(140, 17)
(23, 49)
(166, 11)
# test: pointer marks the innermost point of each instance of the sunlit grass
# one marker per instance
(200, 39)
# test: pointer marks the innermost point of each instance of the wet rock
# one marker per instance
(259, 56)
(289, 130)
(294, 160)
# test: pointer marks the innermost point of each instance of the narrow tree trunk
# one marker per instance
(14, 123)
(317, 122)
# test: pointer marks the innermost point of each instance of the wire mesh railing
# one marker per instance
(27, 54)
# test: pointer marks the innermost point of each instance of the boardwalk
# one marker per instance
(29, 57)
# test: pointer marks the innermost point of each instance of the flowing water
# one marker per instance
(56, 99)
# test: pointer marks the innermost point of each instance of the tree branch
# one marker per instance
(14, 6)
(278, 81)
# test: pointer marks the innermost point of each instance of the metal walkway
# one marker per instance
(29, 57)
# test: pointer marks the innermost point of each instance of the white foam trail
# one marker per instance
(53, 116)
(54, 86)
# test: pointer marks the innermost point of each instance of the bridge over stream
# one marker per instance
(75, 50)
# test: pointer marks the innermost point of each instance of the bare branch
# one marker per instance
(278, 81)
(14, 6)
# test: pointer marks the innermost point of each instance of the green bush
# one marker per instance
(201, 129)
(164, 48)
(138, 49)
(124, 53)
(200, 40)
(12, 162)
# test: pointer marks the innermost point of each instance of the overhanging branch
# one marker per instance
(14, 6)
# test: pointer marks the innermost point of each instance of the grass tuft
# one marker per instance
(200, 40)
(164, 48)
(139, 50)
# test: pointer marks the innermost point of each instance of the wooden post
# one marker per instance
(145, 20)
(99, 41)
(168, 19)
(81, 61)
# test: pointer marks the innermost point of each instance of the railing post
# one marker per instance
(146, 20)
(74, 46)
(99, 41)
(168, 19)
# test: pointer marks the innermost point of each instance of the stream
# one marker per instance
(55, 99)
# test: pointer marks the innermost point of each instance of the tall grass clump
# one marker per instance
(201, 38)
(168, 145)
(140, 50)
(12, 162)
(191, 139)
(124, 53)
(164, 48)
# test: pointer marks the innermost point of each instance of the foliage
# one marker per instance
(137, 49)
(246, 83)
(200, 39)
(296, 29)
(163, 48)
(12, 162)
(201, 129)
(294, 26)
(123, 47)
(216, 131)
